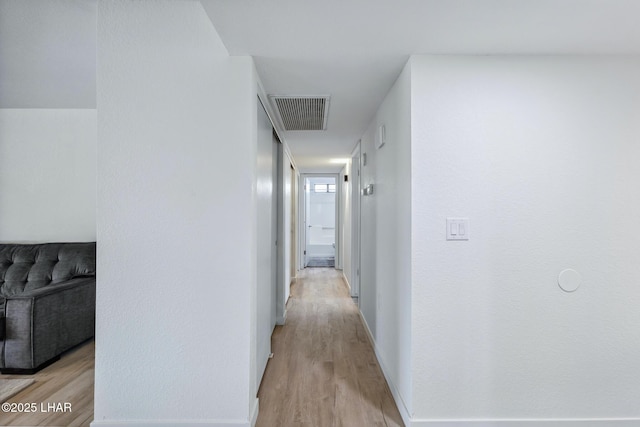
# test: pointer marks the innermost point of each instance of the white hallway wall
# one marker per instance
(541, 154)
(175, 339)
(47, 175)
(385, 295)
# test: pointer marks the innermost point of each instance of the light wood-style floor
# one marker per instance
(70, 379)
(324, 372)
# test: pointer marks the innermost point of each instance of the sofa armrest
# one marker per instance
(43, 323)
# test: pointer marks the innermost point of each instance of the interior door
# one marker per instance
(275, 185)
(294, 225)
(355, 223)
(265, 292)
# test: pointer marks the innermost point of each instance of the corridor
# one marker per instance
(324, 372)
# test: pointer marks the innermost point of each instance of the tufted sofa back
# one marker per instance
(27, 267)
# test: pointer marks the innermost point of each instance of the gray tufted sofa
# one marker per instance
(47, 302)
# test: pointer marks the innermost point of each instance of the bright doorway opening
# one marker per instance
(320, 209)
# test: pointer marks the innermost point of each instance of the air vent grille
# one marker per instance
(302, 112)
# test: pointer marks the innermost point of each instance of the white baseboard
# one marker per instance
(346, 281)
(254, 412)
(562, 422)
(171, 423)
(613, 422)
(404, 412)
(180, 423)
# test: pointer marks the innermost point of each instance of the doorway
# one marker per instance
(320, 226)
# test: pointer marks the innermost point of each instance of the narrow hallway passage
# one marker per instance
(324, 372)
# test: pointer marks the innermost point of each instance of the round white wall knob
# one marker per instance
(569, 280)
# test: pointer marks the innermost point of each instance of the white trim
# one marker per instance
(302, 244)
(171, 423)
(268, 108)
(184, 423)
(254, 412)
(337, 253)
(344, 277)
(287, 151)
(356, 219)
(402, 408)
(283, 231)
(587, 422)
(302, 215)
(280, 320)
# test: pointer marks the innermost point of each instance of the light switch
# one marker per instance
(457, 228)
(453, 229)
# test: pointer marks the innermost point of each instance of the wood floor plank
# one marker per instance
(69, 380)
(324, 372)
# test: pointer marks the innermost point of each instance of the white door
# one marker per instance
(355, 223)
(266, 256)
(294, 225)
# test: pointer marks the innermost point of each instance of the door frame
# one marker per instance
(356, 186)
(302, 216)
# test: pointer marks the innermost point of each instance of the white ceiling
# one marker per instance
(355, 49)
(352, 50)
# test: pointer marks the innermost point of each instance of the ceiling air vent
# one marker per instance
(302, 112)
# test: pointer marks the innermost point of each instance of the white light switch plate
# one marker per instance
(457, 228)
